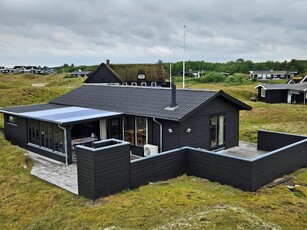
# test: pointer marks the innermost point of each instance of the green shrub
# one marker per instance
(212, 77)
(236, 79)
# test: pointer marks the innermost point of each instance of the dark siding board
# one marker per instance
(276, 165)
(17, 134)
(112, 171)
(69, 148)
(232, 129)
(218, 105)
(284, 96)
(199, 135)
(269, 141)
(276, 96)
(107, 171)
(156, 134)
(298, 98)
(200, 122)
(150, 130)
(259, 95)
(273, 96)
(170, 140)
(161, 167)
(222, 169)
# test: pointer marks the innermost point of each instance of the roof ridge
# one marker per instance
(149, 87)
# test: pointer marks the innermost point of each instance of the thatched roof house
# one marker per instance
(130, 74)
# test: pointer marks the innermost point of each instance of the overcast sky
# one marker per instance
(54, 32)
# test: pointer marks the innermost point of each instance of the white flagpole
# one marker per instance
(170, 67)
(183, 71)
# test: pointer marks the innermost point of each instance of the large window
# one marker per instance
(217, 131)
(135, 130)
(46, 135)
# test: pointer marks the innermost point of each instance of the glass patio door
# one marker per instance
(115, 128)
(217, 131)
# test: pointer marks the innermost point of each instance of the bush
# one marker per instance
(212, 77)
(236, 79)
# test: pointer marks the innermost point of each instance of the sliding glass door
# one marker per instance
(136, 130)
(217, 131)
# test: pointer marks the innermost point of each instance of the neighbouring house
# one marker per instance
(283, 93)
(297, 79)
(292, 73)
(48, 71)
(9, 70)
(267, 74)
(130, 74)
(28, 69)
(192, 73)
(80, 73)
(154, 117)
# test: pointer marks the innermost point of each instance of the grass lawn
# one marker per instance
(181, 203)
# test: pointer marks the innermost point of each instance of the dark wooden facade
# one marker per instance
(104, 75)
(198, 122)
(17, 134)
(164, 167)
(273, 96)
(103, 169)
(269, 141)
(112, 171)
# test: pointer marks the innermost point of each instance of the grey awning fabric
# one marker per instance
(64, 115)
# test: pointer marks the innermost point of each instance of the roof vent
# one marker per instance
(173, 105)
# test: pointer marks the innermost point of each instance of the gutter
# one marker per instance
(65, 144)
(161, 134)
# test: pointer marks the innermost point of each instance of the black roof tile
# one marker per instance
(141, 101)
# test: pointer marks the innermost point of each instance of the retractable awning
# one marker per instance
(60, 114)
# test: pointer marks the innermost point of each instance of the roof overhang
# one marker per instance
(258, 86)
(66, 115)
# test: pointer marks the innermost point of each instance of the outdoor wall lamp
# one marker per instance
(170, 130)
(188, 130)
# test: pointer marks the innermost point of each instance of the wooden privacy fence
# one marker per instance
(105, 168)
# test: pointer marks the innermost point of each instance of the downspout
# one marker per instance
(161, 134)
(65, 143)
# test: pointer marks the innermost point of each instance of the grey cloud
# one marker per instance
(87, 31)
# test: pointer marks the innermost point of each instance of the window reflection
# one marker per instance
(141, 128)
(135, 130)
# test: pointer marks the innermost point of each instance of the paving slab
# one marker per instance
(54, 172)
(244, 150)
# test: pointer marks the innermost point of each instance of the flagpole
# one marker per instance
(170, 67)
(183, 71)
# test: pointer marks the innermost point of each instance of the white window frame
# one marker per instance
(153, 84)
(262, 92)
(143, 83)
(134, 83)
(125, 83)
(141, 76)
(135, 131)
